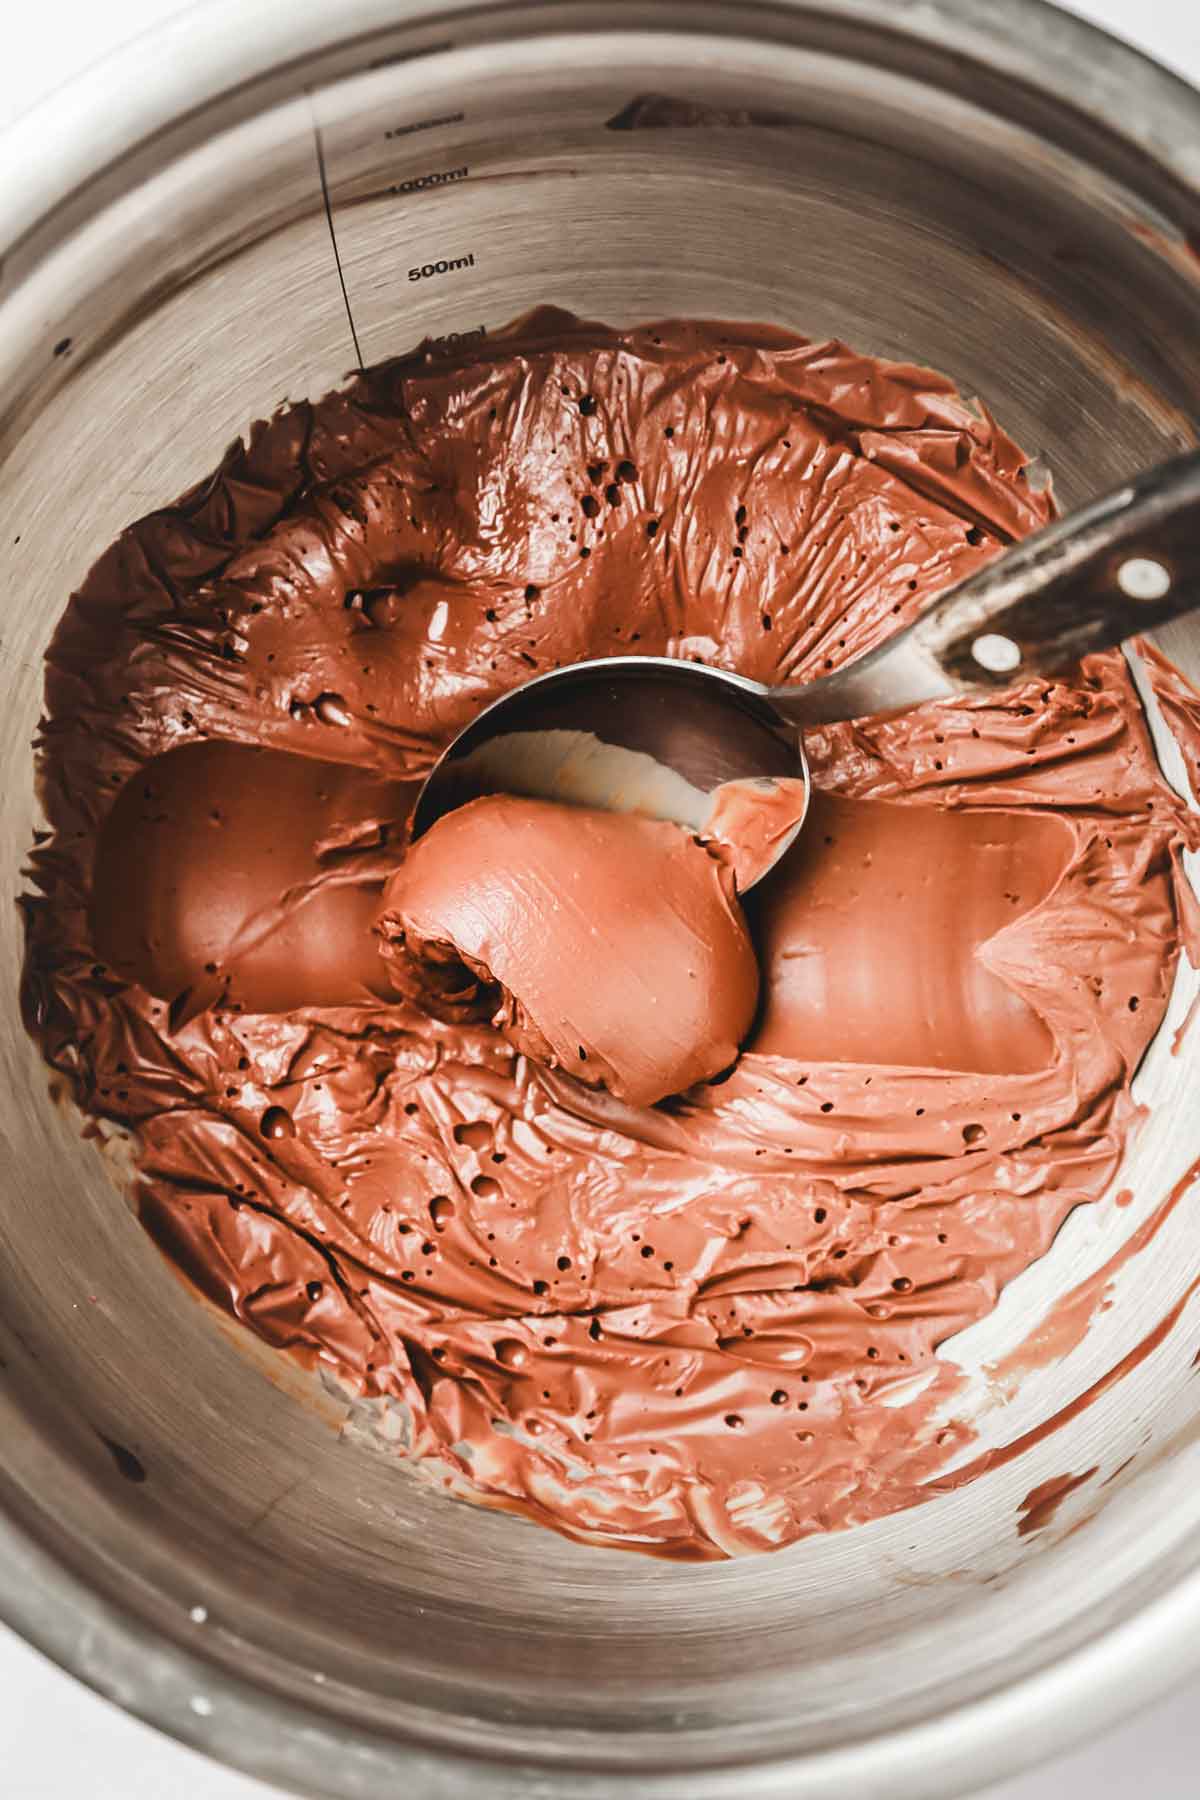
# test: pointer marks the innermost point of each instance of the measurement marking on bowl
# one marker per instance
(327, 203)
(399, 131)
(406, 56)
(438, 178)
(442, 267)
(456, 340)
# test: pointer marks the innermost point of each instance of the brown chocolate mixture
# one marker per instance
(700, 1327)
(604, 944)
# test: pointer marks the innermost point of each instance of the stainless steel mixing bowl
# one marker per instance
(993, 188)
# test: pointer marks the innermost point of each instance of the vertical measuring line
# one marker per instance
(320, 143)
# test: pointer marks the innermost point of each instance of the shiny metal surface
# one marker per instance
(983, 188)
(645, 734)
(658, 736)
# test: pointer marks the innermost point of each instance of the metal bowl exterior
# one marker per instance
(981, 188)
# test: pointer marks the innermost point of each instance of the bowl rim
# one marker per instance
(176, 84)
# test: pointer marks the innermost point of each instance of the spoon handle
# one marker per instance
(1118, 566)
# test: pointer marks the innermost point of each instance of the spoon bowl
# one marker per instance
(668, 739)
(646, 734)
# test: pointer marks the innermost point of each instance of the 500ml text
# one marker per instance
(441, 268)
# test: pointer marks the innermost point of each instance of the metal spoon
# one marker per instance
(658, 736)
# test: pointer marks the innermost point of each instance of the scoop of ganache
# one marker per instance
(605, 945)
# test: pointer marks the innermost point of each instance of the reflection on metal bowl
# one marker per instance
(213, 1538)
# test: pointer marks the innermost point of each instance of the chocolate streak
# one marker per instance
(697, 1328)
(1039, 1506)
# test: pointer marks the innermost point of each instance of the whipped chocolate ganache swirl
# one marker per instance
(698, 1327)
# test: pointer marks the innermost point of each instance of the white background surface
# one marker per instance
(58, 1741)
